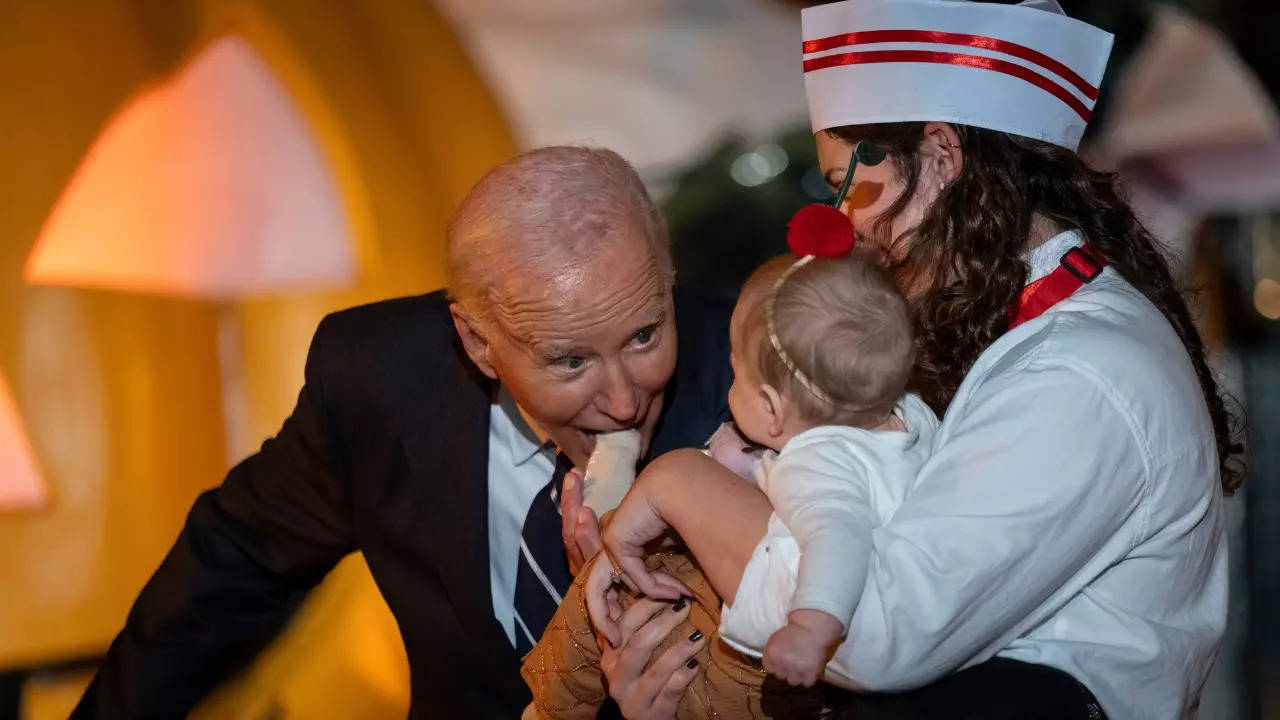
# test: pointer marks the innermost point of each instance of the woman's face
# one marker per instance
(875, 188)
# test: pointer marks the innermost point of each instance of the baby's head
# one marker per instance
(846, 347)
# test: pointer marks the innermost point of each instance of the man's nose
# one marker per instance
(619, 400)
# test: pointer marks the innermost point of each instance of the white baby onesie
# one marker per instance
(829, 486)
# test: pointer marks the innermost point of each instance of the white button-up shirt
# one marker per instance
(1071, 515)
(519, 466)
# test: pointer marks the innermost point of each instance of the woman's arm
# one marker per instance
(1022, 502)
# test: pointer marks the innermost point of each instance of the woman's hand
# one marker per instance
(652, 694)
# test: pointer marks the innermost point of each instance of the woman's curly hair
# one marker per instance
(968, 247)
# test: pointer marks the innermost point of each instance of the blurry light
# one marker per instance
(815, 186)
(1266, 298)
(759, 166)
(20, 483)
(209, 185)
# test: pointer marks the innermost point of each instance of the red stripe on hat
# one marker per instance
(868, 37)
(943, 58)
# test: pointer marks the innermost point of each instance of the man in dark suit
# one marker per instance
(425, 437)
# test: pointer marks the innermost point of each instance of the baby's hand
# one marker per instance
(797, 653)
(632, 526)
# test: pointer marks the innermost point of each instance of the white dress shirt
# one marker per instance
(1071, 515)
(829, 486)
(519, 466)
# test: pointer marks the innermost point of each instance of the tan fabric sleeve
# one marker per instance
(563, 669)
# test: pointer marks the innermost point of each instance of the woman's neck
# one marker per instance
(1042, 228)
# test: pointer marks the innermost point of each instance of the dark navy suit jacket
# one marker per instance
(386, 453)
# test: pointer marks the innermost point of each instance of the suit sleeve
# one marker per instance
(247, 555)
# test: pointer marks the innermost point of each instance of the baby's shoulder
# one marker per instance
(840, 447)
(838, 461)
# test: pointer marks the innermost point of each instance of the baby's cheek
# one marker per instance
(735, 401)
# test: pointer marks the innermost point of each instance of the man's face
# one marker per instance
(590, 351)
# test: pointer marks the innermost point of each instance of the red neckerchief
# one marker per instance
(1078, 266)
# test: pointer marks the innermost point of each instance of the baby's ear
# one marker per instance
(775, 408)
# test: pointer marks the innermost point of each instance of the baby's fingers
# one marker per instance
(673, 584)
(638, 578)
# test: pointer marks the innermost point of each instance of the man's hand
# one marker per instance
(579, 526)
(798, 652)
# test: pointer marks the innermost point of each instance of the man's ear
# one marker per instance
(476, 345)
(941, 147)
(775, 409)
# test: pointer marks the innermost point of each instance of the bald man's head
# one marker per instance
(561, 283)
(542, 214)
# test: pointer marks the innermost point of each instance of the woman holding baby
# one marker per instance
(1066, 513)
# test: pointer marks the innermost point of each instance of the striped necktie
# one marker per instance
(542, 570)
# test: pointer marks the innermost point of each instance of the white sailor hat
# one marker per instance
(1024, 69)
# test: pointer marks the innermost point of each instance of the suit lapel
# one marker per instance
(447, 443)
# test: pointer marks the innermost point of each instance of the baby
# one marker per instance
(820, 365)
(821, 351)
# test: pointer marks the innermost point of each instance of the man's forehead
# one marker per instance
(576, 303)
(536, 274)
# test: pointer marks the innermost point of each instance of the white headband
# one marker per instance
(772, 326)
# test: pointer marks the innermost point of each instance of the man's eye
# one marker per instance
(644, 337)
(573, 362)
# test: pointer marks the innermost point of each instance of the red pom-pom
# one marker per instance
(820, 230)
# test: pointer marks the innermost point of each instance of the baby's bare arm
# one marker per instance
(719, 516)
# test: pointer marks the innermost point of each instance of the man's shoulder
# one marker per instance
(702, 325)
(389, 337)
(388, 319)
(702, 311)
(697, 396)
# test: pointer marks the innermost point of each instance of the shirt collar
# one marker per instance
(1045, 259)
(523, 444)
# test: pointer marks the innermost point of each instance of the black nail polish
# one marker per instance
(696, 636)
(693, 663)
(678, 605)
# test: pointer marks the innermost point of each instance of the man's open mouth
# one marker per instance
(589, 439)
(589, 436)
